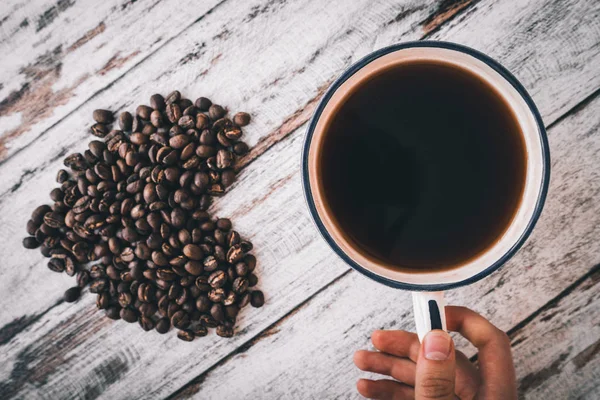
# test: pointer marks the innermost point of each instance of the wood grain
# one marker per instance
(59, 53)
(268, 195)
(326, 331)
(557, 354)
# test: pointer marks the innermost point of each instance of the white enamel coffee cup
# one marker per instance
(428, 286)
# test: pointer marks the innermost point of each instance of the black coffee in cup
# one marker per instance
(423, 166)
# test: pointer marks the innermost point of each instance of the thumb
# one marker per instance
(435, 367)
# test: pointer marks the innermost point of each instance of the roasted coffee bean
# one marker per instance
(128, 315)
(241, 269)
(208, 321)
(180, 320)
(163, 325)
(83, 278)
(241, 119)
(216, 311)
(200, 330)
(216, 112)
(217, 279)
(244, 300)
(30, 243)
(185, 335)
(157, 102)
(193, 252)
(56, 264)
(224, 224)
(113, 312)
(98, 285)
(103, 116)
(234, 254)
(143, 112)
(173, 97)
(232, 311)
(72, 294)
(224, 331)
(239, 285)
(202, 103)
(102, 300)
(146, 323)
(252, 280)
(216, 295)
(257, 298)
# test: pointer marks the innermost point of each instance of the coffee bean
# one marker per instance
(217, 279)
(56, 264)
(216, 295)
(216, 311)
(163, 325)
(143, 112)
(241, 119)
(83, 277)
(129, 315)
(157, 102)
(103, 116)
(113, 312)
(252, 280)
(185, 335)
(102, 300)
(99, 130)
(244, 300)
(208, 321)
(180, 320)
(37, 215)
(224, 331)
(224, 224)
(72, 294)
(193, 252)
(227, 177)
(30, 243)
(146, 323)
(234, 254)
(200, 330)
(173, 97)
(125, 121)
(257, 298)
(202, 103)
(240, 285)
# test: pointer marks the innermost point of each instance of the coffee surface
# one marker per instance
(423, 167)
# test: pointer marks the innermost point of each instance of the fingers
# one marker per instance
(436, 367)
(467, 377)
(384, 389)
(401, 369)
(397, 343)
(495, 359)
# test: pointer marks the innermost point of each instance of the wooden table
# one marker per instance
(274, 58)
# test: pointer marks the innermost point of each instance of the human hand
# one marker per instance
(433, 369)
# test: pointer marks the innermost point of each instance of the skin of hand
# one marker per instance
(434, 369)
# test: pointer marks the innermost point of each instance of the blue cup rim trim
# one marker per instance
(545, 158)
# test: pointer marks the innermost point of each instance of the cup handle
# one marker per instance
(429, 312)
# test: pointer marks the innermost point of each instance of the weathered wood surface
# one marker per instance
(57, 54)
(53, 349)
(311, 350)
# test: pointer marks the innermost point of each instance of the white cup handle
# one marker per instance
(429, 312)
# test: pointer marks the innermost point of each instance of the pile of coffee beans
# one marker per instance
(130, 219)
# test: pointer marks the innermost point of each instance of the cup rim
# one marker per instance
(545, 153)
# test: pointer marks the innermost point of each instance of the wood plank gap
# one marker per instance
(575, 109)
(193, 386)
(550, 304)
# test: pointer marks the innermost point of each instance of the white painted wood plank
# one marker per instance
(283, 259)
(56, 54)
(310, 353)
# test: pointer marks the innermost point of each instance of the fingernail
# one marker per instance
(436, 345)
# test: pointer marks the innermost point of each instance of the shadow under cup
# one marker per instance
(414, 208)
